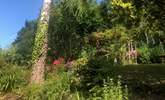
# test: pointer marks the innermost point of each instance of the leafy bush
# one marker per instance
(90, 72)
(144, 55)
(11, 78)
(110, 90)
(148, 55)
(33, 92)
(56, 87)
(155, 52)
(59, 86)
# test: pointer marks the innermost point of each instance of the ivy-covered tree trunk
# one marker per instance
(41, 44)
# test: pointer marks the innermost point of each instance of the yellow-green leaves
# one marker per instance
(122, 4)
(41, 36)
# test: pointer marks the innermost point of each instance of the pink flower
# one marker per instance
(132, 53)
(56, 62)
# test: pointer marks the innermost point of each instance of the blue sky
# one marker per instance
(13, 14)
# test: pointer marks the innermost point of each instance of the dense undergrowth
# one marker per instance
(12, 77)
(59, 85)
(102, 83)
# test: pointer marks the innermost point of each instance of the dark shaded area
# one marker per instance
(144, 81)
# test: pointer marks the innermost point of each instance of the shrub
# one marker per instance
(93, 71)
(144, 54)
(110, 91)
(56, 87)
(60, 86)
(33, 92)
(155, 53)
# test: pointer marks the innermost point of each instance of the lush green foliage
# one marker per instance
(40, 40)
(24, 43)
(12, 78)
(9, 55)
(59, 86)
(70, 21)
(93, 35)
(56, 86)
(110, 90)
(73, 21)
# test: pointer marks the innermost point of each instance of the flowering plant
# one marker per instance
(132, 53)
(58, 61)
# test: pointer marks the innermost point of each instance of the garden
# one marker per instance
(88, 50)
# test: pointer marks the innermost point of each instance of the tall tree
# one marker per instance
(41, 45)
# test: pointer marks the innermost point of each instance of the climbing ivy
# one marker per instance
(40, 39)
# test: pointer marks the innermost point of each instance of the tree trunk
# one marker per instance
(41, 45)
